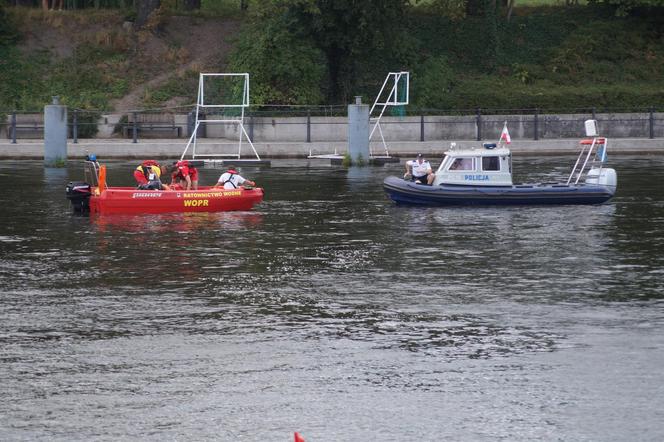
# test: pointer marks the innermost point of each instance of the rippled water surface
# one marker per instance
(329, 311)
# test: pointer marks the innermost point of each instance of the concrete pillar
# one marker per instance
(55, 134)
(358, 131)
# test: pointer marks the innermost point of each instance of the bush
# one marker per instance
(284, 69)
(432, 82)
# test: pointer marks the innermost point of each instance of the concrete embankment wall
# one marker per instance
(429, 128)
(298, 137)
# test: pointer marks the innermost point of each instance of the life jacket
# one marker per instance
(150, 172)
(230, 179)
(183, 169)
(146, 168)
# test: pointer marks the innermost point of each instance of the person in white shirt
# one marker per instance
(419, 170)
(232, 180)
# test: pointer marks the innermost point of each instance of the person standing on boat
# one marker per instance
(185, 175)
(232, 180)
(419, 170)
(148, 176)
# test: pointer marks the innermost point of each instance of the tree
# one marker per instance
(285, 69)
(510, 9)
(350, 33)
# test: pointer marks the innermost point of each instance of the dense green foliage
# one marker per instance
(285, 68)
(551, 58)
(80, 80)
(313, 52)
(325, 45)
(556, 58)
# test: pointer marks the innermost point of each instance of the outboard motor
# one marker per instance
(78, 193)
(604, 177)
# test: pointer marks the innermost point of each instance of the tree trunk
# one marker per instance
(143, 10)
(190, 5)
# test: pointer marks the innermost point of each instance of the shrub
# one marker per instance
(284, 69)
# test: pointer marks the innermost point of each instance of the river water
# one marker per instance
(330, 311)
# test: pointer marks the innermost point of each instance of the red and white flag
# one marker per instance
(505, 135)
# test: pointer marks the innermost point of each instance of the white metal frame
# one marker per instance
(392, 99)
(596, 144)
(200, 104)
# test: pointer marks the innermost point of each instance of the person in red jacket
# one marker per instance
(148, 175)
(184, 175)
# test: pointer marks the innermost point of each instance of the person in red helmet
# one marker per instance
(184, 175)
(148, 176)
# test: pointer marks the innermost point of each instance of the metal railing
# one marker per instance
(320, 123)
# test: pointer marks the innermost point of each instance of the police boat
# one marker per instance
(483, 176)
(94, 196)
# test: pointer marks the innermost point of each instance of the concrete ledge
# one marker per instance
(172, 148)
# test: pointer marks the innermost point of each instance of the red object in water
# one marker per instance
(298, 438)
(205, 199)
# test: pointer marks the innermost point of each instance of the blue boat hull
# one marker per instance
(407, 192)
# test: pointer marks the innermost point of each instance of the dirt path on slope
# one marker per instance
(206, 44)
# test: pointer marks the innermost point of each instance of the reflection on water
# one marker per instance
(526, 322)
(199, 222)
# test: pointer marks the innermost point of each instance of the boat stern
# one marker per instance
(78, 193)
(603, 176)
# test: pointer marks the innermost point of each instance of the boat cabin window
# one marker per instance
(490, 163)
(462, 164)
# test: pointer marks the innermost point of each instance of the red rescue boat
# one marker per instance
(98, 198)
(205, 199)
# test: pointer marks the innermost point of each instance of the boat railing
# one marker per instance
(593, 152)
(91, 172)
